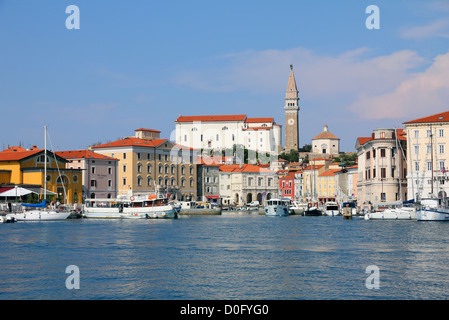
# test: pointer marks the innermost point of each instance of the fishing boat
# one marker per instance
(150, 206)
(313, 209)
(331, 209)
(103, 208)
(277, 207)
(352, 206)
(40, 211)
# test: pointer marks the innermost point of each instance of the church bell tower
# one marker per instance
(291, 114)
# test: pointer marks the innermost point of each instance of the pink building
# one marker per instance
(99, 172)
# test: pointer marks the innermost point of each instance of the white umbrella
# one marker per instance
(15, 192)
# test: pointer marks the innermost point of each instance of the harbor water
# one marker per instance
(230, 256)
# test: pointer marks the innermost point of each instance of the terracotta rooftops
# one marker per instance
(439, 117)
(82, 154)
(239, 117)
(235, 117)
(132, 141)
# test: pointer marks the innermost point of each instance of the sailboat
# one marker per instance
(399, 212)
(39, 211)
(433, 208)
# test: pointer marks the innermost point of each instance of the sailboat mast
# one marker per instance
(431, 157)
(398, 163)
(45, 162)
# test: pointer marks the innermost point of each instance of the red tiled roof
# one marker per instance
(330, 172)
(82, 154)
(131, 141)
(259, 120)
(363, 140)
(18, 155)
(439, 117)
(239, 117)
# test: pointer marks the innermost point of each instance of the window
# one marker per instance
(109, 170)
(441, 148)
(382, 153)
(139, 168)
(149, 182)
(149, 168)
(429, 165)
(368, 155)
(109, 183)
(191, 170)
(416, 166)
(124, 181)
(124, 168)
(93, 170)
(138, 156)
(93, 183)
(160, 168)
(124, 155)
(416, 150)
(428, 133)
(139, 181)
(191, 182)
(441, 165)
(416, 134)
(441, 133)
(428, 149)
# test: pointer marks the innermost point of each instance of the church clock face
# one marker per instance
(291, 121)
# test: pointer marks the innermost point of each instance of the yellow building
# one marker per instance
(326, 185)
(26, 166)
(147, 162)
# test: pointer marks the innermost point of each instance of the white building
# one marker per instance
(427, 157)
(218, 132)
(244, 183)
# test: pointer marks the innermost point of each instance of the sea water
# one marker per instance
(232, 256)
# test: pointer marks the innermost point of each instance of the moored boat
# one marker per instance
(313, 209)
(103, 208)
(433, 209)
(331, 209)
(150, 206)
(277, 207)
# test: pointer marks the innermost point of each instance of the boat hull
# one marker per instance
(432, 215)
(276, 211)
(391, 215)
(39, 215)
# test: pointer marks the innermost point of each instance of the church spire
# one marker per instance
(292, 91)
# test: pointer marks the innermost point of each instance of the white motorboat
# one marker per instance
(298, 207)
(331, 209)
(277, 207)
(403, 213)
(150, 207)
(103, 208)
(433, 209)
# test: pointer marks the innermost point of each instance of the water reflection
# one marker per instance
(225, 257)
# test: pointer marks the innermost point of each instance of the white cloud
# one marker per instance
(438, 28)
(428, 90)
(349, 73)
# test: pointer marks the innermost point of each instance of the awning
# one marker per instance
(213, 197)
(19, 191)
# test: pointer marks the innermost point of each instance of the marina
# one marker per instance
(238, 256)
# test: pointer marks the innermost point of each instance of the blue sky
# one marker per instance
(135, 64)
